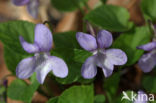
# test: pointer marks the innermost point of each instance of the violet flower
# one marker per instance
(148, 60)
(141, 97)
(41, 63)
(106, 59)
(32, 6)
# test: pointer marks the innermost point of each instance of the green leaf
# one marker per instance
(148, 8)
(149, 83)
(113, 18)
(2, 90)
(111, 84)
(66, 39)
(74, 60)
(104, 1)
(9, 35)
(152, 102)
(81, 55)
(68, 5)
(53, 100)
(19, 90)
(67, 47)
(77, 94)
(130, 40)
(99, 99)
(74, 73)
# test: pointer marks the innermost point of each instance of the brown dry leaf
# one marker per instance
(92, 3)
(38, 98)
(133, 7)
(70, 21)
(12, 12)
(73, 20)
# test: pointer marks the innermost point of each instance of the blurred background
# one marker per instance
(65, 21)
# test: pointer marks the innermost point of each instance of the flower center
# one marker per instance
(40, 59)
(100, 56)
(99, 52)
(41, 56)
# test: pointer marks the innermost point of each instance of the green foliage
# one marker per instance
(148, 8)
(111, 84)
(77, 94)
(14, 53)
(9, 35)
(20, 90)
(99, 99)
(53, 100)
(113, 18)
(68, 5)
(2, 93)
(149, 83)
(2, 90)
(152, 102)
(104, 1)
(66, 39)
(66, 47)
(130, 40)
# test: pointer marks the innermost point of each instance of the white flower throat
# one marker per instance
(40, 59)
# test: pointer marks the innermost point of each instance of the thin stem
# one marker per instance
(91, 29)
(49, 23)
(5, 83)
(79, 7)
(152, 29)
(104, 1)
(87, 6)
(84, 27)
(6, 90)
(109, 97)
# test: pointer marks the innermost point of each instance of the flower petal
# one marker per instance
(116, 56)
(104, 39)
(89, 69)
(25, 68)
(105, 64)
(107, 72)
(43, 37)
(43, 67)
(59, 67)
(86, 41)
(107, 68)
(147, 62)
(20, 2)
(32, 8)
(30, 48)
(148, 47)
(51, 63)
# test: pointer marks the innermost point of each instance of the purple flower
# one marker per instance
(141, 97)
(106, 59)
(41, 63)
(32, 6)
(148, 60)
